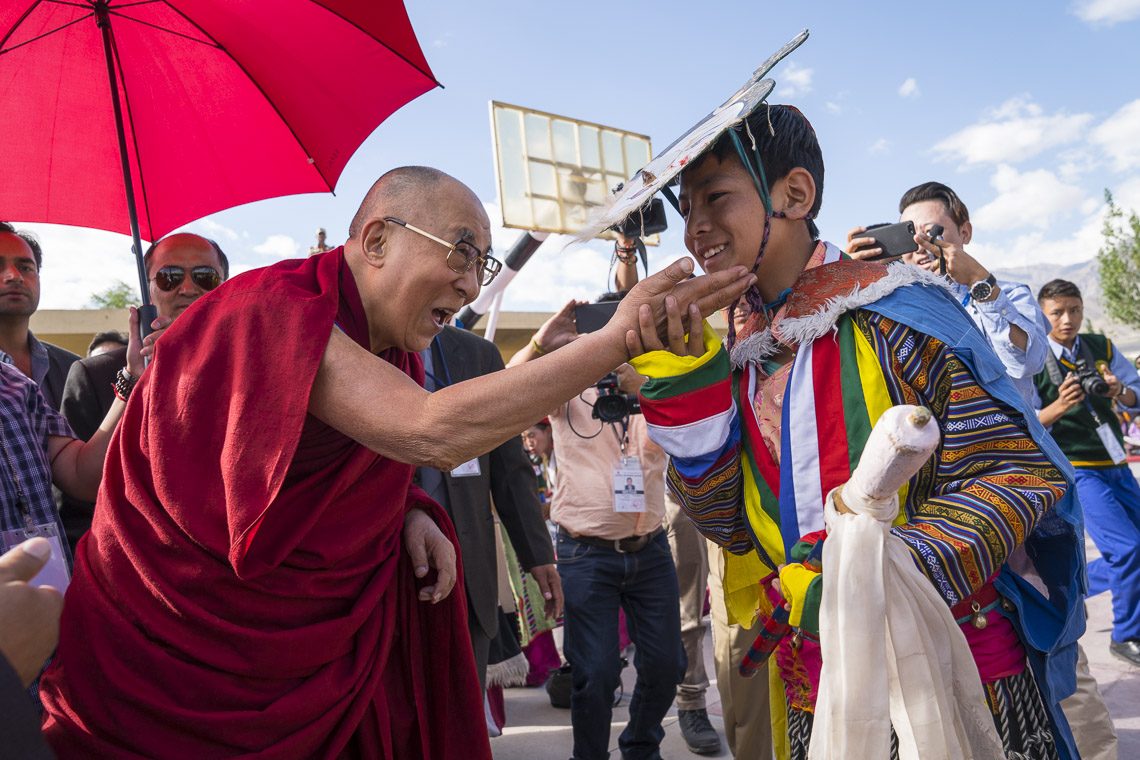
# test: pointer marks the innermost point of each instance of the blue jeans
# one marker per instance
(1110, 498)
(595, 581)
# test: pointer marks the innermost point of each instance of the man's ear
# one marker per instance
(799, 193)
(373, 237)
(966, 232)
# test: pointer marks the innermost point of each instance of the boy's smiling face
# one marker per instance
(724, 216)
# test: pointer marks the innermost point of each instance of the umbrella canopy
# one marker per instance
(223, 102)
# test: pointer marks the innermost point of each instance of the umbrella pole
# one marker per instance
(147, 312)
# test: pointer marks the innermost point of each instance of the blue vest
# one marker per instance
(1049, 628)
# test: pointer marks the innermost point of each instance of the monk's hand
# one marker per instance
(645, 338)
(550, 584)
(29, 616)
(709, 292)
(429, 549)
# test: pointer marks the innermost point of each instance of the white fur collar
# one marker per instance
(800, 330)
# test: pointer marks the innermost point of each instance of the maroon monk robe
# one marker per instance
(244, 590)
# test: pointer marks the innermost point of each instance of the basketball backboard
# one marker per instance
(553, 170)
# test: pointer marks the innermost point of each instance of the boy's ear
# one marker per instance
(799, 193)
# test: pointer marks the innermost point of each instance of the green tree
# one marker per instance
(1118, 264)
(118, 296)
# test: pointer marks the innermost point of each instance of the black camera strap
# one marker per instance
(1057, 373)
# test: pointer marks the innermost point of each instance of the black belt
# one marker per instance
(627, 545)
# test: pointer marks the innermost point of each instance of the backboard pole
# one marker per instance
(514, 260)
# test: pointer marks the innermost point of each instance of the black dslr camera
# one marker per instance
(612, 405)
(1091, 381)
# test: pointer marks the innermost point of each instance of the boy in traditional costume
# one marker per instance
(768, 432)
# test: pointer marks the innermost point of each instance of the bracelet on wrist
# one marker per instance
(124, 384)
(537, 348)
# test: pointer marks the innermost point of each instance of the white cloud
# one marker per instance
(1119, 136)
(79, 262)
(1037, 247)
(1015, 131)
(278, 246)
(794, 80)
(217, 231)
(1027, 199)
(833, 107)
(909, 88)
(1107, 12)
(879, 147)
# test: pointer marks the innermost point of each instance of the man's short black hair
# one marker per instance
(213, 244)
(28, 238)
(785, 139)
(936, 191)
(1058, 289)
(107, 336)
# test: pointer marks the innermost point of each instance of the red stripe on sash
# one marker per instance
(687, 408)
(831, 428)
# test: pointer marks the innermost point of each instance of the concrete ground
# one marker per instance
(537, 731)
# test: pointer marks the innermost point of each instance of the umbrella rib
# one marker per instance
(264, 94)
(46, 34)
(207, 43)
(379, 41)
(134, 136)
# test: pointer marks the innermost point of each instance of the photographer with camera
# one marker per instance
(612, 553)
(1084, 376)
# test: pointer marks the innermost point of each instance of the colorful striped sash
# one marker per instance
(835, 393)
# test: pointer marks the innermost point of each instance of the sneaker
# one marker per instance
(699, 734)
(1129, 651)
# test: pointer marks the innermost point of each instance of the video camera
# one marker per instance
(1091, 381)
(612, 405)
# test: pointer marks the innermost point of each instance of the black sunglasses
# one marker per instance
(169, 278)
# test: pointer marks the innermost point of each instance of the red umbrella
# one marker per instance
(179, 108)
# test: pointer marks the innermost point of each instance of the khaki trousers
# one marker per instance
(1088, 716)
(744, 701)
(689, 556)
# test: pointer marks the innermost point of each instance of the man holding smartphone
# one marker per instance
(1006, 312)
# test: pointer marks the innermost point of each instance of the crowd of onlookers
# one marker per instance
(585, 533)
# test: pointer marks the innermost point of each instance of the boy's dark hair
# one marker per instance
(28, 238)
(107, 336)
(785, 139)
(936, 191)
(213, 244)
(1058, 289)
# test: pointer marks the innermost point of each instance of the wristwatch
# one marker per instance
(983, 290)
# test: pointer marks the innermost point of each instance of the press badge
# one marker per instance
(467, 469)
(55, 572)
(629, 486)
(1111, 445)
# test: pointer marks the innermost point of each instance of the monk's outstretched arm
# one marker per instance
(377, 405)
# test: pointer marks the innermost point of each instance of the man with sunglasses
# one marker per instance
(181, 268)
(261, 575)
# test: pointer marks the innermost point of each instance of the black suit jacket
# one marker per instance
(87, 397)
(59, 360)
(506, 475)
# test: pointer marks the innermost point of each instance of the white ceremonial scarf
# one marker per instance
(892, 654)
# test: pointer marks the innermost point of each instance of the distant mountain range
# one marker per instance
(1084, 276)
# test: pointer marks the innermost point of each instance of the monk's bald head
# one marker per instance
(402, 192)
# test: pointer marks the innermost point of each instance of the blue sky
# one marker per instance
(1028, 109)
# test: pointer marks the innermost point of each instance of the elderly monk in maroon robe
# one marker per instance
(262, 579)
